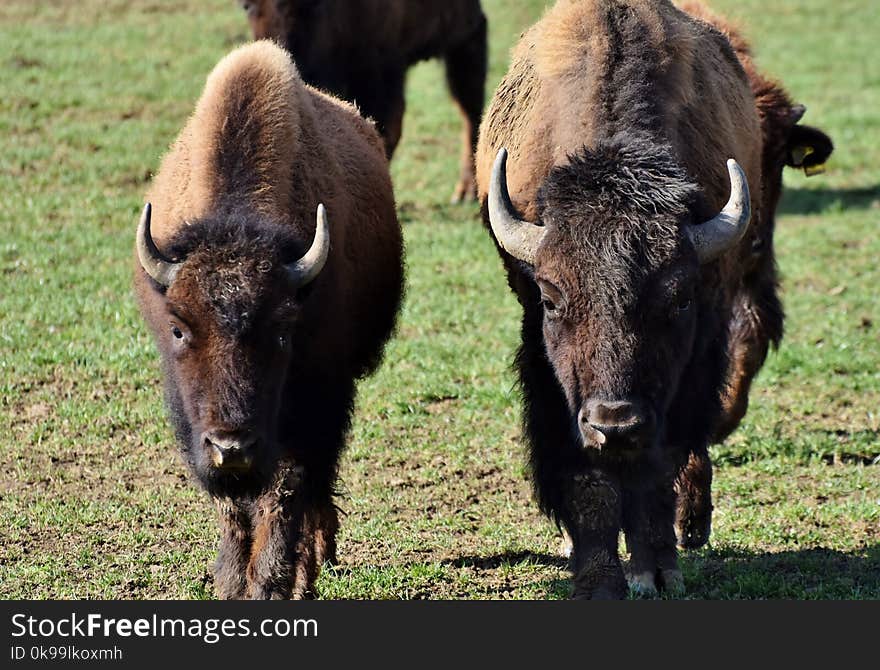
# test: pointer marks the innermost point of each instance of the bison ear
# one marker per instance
(251, 7)
(808, 148)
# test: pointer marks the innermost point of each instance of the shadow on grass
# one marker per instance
(831, 447)
(506, 559)
(805, 574)
(809, 574)
(555, 589)
(801, 201)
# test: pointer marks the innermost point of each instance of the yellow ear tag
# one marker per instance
(798, 154)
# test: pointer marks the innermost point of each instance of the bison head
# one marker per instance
(615, 262)
(225, 317)
(264, 18)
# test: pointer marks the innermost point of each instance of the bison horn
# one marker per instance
(152, 261)
(308, 267)
(712, 238)
(519, 238)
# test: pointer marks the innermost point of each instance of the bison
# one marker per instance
(269, 270)
(634, 218)
(757, 321)
(360, 51)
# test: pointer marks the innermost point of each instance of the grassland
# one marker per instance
(93, 500)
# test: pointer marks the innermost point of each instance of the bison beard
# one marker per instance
(267, 307)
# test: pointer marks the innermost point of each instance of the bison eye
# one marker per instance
(552, 310)
(282, 341)
(177, 332)
(683, 304)
(552, 299)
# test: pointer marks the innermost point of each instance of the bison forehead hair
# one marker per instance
(237, 266)
(625, 192)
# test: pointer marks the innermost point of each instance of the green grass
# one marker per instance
(96, 504)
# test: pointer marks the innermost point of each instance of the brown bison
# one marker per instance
(269, 270)
(623, 220)
(360, 50)
(757, 319)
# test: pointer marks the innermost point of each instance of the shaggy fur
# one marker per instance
(360, 50)
(619, 116)
(234, 201)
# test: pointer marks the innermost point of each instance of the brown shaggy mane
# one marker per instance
(626, 176)
(237, 258)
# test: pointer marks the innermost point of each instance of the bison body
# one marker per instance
(269, 271)
(757, 319)
(360, 51)
(629, 238)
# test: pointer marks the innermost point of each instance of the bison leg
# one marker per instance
(316, 545)
(319, 425)
(325, 534)
(642, 575)
(278, 522)
(466, 66)
(592, 518)
(566, 547)
(662, 515)
(693, 513)
(235, 549)
(747, 355)
(648, 525)
(757, 323)
(391, 126)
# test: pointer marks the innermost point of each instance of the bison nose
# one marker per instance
(604, 420)
(230, 450)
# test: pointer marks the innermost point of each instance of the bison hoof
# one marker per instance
(599, 583)
(643, 585)
(566, 546)
(600, 593)
(672, 582)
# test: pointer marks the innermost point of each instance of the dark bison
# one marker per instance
(623, 220)
(360, 50)
(269, 270)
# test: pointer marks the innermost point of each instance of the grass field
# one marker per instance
(93, 499)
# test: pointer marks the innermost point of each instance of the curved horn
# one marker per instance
(712, 238)
(519, 238)
(310, 265)
(152, 261)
